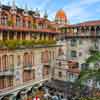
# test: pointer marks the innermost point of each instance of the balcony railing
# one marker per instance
(84, 34)
(8, 72)
(30, 29)
(23, 85)
(46, 62)
(29, 67)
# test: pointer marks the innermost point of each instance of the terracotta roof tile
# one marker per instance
(89, 23)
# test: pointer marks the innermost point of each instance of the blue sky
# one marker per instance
(76, 10)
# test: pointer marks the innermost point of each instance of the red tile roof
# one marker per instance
(89, 23)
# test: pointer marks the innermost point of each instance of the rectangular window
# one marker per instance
(80, 41)
(60, 74)
(73, 42)
(73, 54)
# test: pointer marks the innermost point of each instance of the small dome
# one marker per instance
(61, 14)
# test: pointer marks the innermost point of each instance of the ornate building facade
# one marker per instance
(27, 50)
(35, 49)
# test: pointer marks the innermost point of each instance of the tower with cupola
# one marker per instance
(61, 17)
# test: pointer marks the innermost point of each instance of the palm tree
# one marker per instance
(93, 74)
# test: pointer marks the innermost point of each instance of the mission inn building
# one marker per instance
(34, 49)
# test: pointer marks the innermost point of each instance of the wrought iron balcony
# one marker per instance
(7, 72)
(28, 67)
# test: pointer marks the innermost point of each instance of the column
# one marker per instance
(20, 35)
(15, 35)
(95, 30)
(90, 29)
(8, 36)
(42, 36)
(47, 37)
(21, 69)
(1, 35)
(27, 36)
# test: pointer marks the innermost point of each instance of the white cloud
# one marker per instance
(79, 10)
(44, 4)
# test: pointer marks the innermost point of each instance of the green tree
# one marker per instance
(93, 74)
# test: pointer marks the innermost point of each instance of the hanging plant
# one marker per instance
(10, 23)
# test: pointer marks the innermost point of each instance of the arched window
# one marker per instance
(29, 24)
(26, 59)
(30, 58)
(18, 21)
(45, 56)
(5, 62)
(4, 18)
(60, 52)
(18, 60)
